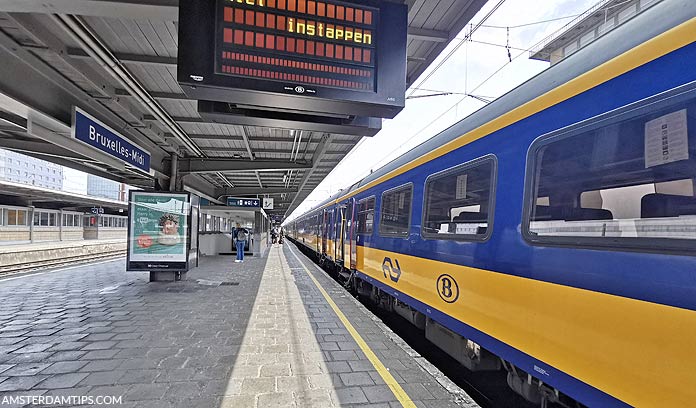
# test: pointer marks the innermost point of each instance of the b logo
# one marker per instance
(389, 269)
(299, 89)
(447, 288)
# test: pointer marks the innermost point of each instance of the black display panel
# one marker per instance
(324, 56)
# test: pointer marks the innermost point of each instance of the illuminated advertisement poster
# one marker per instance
(158, 231)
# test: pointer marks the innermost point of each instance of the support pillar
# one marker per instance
(31, 223)
(60, 225)
(174, 179)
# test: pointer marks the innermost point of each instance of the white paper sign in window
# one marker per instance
(461, 187)
(666, 139)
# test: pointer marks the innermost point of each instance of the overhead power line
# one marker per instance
(461, 42)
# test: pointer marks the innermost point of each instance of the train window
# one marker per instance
(395, 211)
(628, 181)
(459, 201)
(366, 215)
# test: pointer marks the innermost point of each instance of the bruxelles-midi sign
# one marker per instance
(91, 131)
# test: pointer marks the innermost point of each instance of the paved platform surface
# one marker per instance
(252, 334)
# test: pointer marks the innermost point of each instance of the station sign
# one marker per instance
(98, 135)
(348, 57)
(243, 202)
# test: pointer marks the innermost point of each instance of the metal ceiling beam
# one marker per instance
(167, 10)
(213, 165)
(44, 149)
(197, 184)
(236, 138)
(420, 34)
(156, 95)
(42, 83)
(244, 191)
(428, 35)
(465, 14)
(316, 158)
(184, 120)
(213, 149)
(94, 170)
(126, 57)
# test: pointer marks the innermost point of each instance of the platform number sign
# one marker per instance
(393, 270)
(447, 288)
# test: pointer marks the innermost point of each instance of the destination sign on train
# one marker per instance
(323, 43)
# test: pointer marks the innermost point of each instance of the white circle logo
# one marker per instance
(299, 89)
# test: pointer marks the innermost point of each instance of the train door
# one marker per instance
(322, 229)
(340, 225)
(352, 234)
(328, 216)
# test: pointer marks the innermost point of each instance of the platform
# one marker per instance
(263, 333)
(47, 253)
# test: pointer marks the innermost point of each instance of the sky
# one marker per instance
(465, 72)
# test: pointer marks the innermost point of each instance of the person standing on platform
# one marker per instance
(274, 235)
(240, 237)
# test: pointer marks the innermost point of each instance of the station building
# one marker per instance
(597, 21)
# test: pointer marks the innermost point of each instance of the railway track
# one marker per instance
(54, 263)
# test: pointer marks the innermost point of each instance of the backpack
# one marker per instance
(242, 235)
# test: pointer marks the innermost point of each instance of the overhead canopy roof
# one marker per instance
(117, 60)
(49, 198)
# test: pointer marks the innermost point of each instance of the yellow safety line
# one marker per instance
(399, 392)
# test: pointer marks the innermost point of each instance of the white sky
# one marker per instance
(463, 72)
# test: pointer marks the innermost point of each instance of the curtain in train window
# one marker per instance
(629, 180)
(458, 201)
(366, 215)
(395, 211)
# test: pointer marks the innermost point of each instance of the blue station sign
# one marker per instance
(100, 136)
(244, 202)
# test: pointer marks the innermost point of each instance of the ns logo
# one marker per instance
(392, 270)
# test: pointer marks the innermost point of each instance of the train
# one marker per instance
(550, 234)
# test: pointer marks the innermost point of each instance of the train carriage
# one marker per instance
(553, 232)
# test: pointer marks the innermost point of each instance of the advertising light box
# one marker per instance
(158, 231)
(325, 56)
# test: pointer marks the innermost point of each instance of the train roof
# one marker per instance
(658, 19)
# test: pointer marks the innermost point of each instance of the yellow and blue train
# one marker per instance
(553, 232)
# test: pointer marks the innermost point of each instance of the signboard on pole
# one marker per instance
(268, 203)
(158, 231)
(243, 202)
(89, 130)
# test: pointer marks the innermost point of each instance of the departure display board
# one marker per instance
(324, 43)
(339, 57)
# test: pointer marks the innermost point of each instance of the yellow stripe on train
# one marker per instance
(640, 352)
